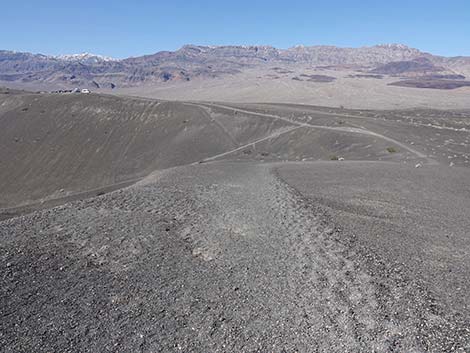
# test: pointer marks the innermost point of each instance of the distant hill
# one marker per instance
(192, 61)
(415, 66)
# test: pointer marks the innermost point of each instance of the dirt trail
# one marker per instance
(217, 257)
(356, 130)
(271, 136)
(6, 213)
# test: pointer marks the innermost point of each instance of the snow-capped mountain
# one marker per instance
(86, 58)
(206, 62)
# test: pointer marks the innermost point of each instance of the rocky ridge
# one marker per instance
(193, 61)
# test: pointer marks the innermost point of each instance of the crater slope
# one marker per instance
(246, 227)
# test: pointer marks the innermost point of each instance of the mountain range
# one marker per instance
(193, 62)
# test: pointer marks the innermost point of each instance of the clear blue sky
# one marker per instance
(131, 28)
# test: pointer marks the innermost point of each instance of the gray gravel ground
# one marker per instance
(419, 218)
(220, 257)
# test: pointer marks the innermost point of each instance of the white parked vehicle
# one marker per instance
(85, 90)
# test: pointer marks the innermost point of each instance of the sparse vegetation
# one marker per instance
(333, 157)
(391, 150)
